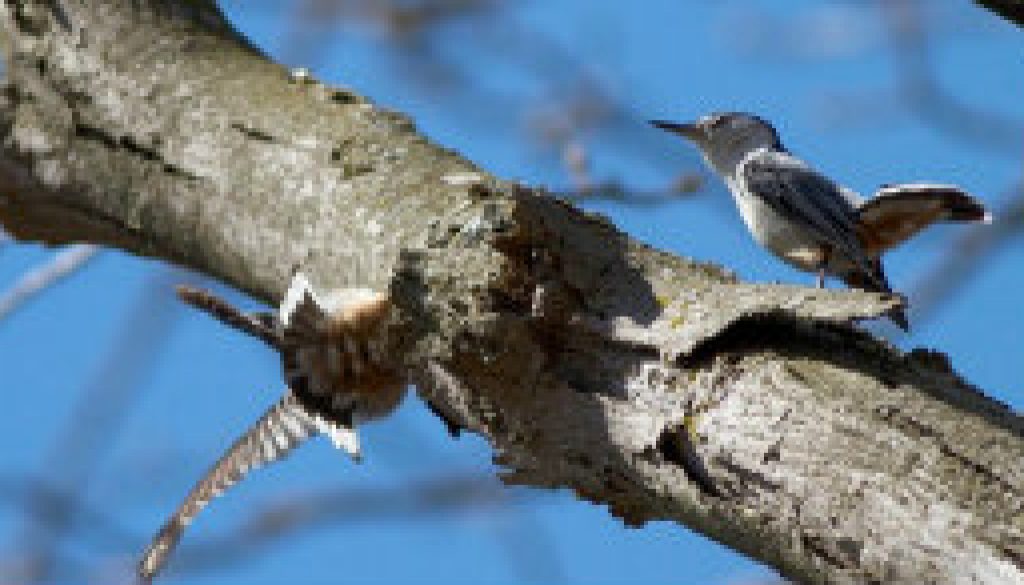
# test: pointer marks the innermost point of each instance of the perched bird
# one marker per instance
(807, 219)
(334, 352)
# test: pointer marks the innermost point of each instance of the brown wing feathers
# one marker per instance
(283, 427)
(898, 212)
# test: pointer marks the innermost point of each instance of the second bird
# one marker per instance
(808, 220)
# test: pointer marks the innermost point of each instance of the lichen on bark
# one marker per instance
(653, 384)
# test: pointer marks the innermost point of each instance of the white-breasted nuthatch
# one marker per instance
(808, 220)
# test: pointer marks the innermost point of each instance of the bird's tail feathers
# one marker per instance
(877, 282)
(955, 203)
(898, 212)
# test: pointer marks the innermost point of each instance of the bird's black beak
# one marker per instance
(689, 131)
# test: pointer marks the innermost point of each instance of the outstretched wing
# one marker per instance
(809, 200)
(898, 212)
(260, 325)
(285, 426)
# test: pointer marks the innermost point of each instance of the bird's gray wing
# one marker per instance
(285, 426)
(897, 212)
(809, 199)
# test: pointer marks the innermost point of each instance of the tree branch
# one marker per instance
(653, 384)
(1012, 10)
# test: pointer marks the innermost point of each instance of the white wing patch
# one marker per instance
(300, 306)
(342, 437)
(905, 187)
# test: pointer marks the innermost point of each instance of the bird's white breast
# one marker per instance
(774, 232)
(764, 223)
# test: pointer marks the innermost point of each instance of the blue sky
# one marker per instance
(668, 59)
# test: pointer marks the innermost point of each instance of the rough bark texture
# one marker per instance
(653, 384)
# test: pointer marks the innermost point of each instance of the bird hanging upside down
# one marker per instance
(808, 220)
(334, 352)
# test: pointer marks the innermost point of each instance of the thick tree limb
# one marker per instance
(651, 383)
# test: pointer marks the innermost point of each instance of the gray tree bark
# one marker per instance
(656, 385)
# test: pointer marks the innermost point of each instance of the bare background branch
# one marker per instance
(576, 112)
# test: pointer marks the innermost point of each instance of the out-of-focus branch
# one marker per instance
(574, 105)
(969, 257)
(305, 512)
(933, 103)
(101, 409)
(34, 281)
(684, 188)
(44, 502)
(291, 516)
(644, 381)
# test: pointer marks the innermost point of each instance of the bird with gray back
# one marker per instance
(808, 220)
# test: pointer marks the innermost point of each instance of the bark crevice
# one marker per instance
(575, 350)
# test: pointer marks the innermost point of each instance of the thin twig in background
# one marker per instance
(575, 107)
(33, 282)
(985, 130)
(682, 189)
(402, 26)
(558, 126)
(909, 31)
(972, 250)
(521, 536)
(398, 22)
(92, 430)
(549, 570)
(929, 100)
(98, 527)
(294, 514)
(839, 30)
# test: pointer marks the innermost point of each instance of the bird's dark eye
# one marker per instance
(718, 121)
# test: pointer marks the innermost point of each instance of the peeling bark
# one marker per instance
(650, 383)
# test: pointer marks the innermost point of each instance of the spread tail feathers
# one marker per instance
(898, 212)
